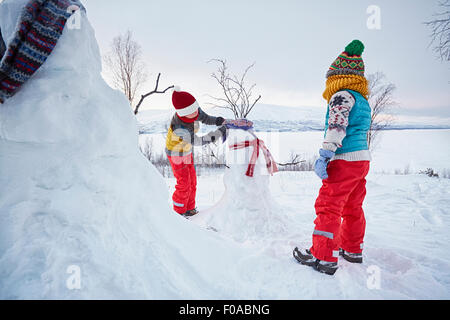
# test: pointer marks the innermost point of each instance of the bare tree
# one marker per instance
(213, 159)
(297, 164)
(147, 149)
(125, 62)
(440, 31)
(381, 100)
(295, 160)
(237, 96)
(126, 65)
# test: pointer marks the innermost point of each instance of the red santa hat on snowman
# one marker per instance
(184, 103)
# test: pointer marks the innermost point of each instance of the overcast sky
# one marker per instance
(292, 42)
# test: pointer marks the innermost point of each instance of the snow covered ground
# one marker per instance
(407, 252)
(408, 216)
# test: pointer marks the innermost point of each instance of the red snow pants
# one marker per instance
(186, 188)
(340, 221)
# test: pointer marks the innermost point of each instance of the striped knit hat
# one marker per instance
(349, 61)
(184, 102)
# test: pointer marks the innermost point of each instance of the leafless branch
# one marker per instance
(381, 101)
(295, 160)
(143, 97)
(237, 96)
(219, 161)
(440, 31)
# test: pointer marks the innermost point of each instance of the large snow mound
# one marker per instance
(76, 191)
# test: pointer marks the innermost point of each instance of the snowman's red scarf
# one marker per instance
(257, 144)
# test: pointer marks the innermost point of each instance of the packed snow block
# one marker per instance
(31, 38)
(247, 210)
(83, 214)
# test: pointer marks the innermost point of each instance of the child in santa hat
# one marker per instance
(343, 165)
(181, 137)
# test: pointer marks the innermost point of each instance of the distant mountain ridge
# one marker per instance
(282, 119)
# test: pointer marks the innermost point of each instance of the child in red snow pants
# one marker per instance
(340, 221)
(185, 190)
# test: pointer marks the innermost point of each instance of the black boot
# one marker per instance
(351, 257)
(306, 258)
(190, 213)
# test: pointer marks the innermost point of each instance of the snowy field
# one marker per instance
(407, 252)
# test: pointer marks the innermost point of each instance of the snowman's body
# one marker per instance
(247, 210)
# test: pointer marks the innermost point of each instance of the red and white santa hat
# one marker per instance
(184, 102)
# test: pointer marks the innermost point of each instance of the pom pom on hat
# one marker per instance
(355, 48)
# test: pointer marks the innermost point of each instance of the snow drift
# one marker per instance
(76, 191)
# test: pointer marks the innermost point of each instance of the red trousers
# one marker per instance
(186, 188)
(340, 221)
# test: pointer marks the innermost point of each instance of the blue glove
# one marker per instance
(321, 164)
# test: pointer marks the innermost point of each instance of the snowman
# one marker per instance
(247, 211)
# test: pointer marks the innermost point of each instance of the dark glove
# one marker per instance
(321, 164)
(219, 121)
(224, 132)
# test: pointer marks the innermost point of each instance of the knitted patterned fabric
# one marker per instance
(349, 61)
(341, 82)
(39, 29)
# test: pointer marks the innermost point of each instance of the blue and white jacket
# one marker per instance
(347, 126)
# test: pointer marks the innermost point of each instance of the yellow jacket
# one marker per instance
(181, 135)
